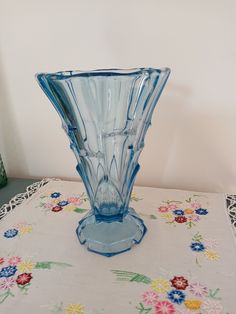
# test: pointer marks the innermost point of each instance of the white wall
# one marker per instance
(192, 142)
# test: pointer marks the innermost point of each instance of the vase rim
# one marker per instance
(103, 72)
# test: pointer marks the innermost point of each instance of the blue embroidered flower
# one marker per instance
(55, 195)
(11, 233)
(197, 246)
(178, 212)
(176, 296)
(63, 203)
(201, 211)
(8, 271)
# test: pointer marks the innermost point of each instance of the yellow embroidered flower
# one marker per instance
(25, 229)
(25, 266)
(167, 216)
(160, 285)
(75, 309)
(211, 255)
(188, 211)
(69, 208)
(192, 304)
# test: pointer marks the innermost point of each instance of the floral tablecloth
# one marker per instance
(185, 264)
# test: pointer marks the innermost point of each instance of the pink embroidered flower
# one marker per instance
(164, 307)
(196, 205)
(180, 219)
(163, 209)
(198, 289)
(24, 279)
(194, 218)
(212, 307)
(172, 206)
(19, 225)
(7, 283)
(150, 298)
(1, 260)
(13, 261)
(210, 243)
(179, 282)
(75, 200)
(48, 205)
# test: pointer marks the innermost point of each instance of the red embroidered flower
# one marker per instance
(180, 219)
(24, 278)
(56, 209)
(1, 260)
(179, 282)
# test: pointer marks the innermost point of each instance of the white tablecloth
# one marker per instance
(186, 262)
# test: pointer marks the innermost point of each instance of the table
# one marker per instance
(13, 187)
(185, 263)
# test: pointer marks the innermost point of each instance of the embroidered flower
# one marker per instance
(179, 282)
(75, 309)
(198, 289)
(26, 266)
(11, 233)
(62, 203)
(1, 260)
(192, 304)
(178, 212)
(180, 219)
(194, 218)
(160, 285)
(201, 211)
(14, 260)
(211, 255)
(172, 207)
(75, 200)
(26, 229)
(19, 225)
(48, 205)
(163, 209)
(188, 211)
(56, 209)
(7, 283)
(150, 298)
(8, 271)
(212, 307)
(210, 243)
(196, 205)
(197, 246)
(164, 307)
(24, 279)
(55, 195)
(176, 296)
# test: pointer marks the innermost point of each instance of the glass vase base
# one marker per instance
(111, 237)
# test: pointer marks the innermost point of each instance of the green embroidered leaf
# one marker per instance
(172, 201)
(142, 309)
(5, 295)
(48, 265)
(197, 237)
(213, 294)
(153, 217)
(130, 276)
(189, 200)
(80, 210)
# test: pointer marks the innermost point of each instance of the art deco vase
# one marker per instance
(106, 114)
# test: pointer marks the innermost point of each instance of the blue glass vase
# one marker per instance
(106, 114)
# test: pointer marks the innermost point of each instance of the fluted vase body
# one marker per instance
(106, 114)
